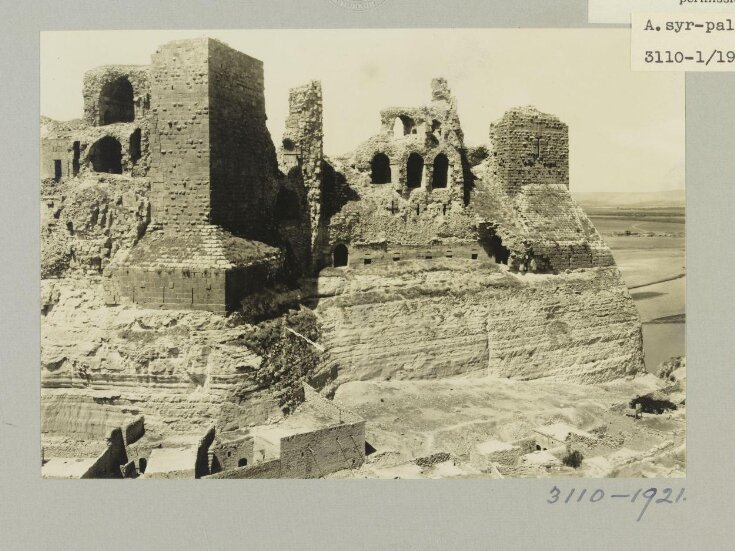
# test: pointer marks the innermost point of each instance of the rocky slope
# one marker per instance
(184, 370)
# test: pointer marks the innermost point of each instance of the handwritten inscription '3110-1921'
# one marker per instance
(668, 496)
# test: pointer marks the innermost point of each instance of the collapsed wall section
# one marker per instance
(303, 148)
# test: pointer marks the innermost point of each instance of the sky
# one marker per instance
(626, 129)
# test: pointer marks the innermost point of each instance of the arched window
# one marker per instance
(116, 102)
(106, 155)
(441, 169)
(287, 206)
(340, 256)
(414, 170)
(380, 169)
(242, 462)
(403, 126)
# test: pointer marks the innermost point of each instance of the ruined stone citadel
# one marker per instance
(229, 212)
(418, 256)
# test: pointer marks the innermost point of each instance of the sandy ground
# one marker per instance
(408, 420)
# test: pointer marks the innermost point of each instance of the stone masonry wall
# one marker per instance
(363, 256)
(97, 78)
(530, 147)
(169, 288)
(242, 156)
(303, 146)
(268, 470)
(228, 454)
(318, 453)
(180, 144)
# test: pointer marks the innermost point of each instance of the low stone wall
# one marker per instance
(269, 469)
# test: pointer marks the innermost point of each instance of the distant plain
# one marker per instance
(647, 236)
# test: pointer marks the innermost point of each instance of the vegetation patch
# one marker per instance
(288, 359)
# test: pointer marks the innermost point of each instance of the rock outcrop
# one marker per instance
(184, 370)
(402, 322)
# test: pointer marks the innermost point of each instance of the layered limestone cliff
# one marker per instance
(411, 321)
(183, 370)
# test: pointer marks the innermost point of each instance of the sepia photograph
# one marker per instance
(360, 254)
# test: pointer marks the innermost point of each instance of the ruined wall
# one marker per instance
(228, 454)
(55, 158)
(108, 463)
(268, 470)
(302, 149)
(180, 144)
(401, 322)
(366, 214)
(134, 430)
(406, 204)
(324, 451)
(426, 132)
(242, 156)
(382, 254)
(96, 80)
(530, 147)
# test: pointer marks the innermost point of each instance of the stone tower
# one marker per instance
(531, 147)
(213, 181)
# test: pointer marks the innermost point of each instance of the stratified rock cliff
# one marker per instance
(403, 322)
(183, 369)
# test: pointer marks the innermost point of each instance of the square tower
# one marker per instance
(530, 147)
(212, 172)
(212, 161)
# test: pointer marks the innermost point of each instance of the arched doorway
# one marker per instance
(440, 172)
(380, 169)
(116, 102)
(414, 170)
(106, 155)
(340, 256)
